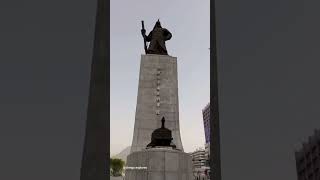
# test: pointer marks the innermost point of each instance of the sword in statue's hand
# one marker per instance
(143, 32)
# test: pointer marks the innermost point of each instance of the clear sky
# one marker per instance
(188, 21)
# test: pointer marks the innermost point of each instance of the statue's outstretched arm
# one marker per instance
(149, 37)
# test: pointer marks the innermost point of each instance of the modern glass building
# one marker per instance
(308, 158)
(206, 122)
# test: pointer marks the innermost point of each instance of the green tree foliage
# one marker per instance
(116, 167)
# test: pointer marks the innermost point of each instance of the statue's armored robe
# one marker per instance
(157, 38)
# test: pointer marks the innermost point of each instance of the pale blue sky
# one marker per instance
(189, 22)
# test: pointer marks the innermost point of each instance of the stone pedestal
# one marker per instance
(157, 98)
(159, 164)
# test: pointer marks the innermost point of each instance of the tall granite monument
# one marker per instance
(94, 164)
(157, 91)
(157, 106)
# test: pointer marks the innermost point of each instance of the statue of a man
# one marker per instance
(157, 38)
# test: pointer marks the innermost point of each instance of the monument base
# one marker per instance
(159, 164)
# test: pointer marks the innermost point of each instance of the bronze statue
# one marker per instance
(157, 38)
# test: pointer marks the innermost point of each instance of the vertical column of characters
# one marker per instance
(158, 91)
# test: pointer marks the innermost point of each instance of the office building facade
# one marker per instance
(206, 122)
(308, 158)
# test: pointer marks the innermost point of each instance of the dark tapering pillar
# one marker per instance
(96, 146)
(215, 162)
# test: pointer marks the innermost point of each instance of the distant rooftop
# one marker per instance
(312, 140)
(206, 107)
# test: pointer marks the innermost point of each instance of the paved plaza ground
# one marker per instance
(116, 178)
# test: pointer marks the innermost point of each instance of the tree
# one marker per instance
(116, 166)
